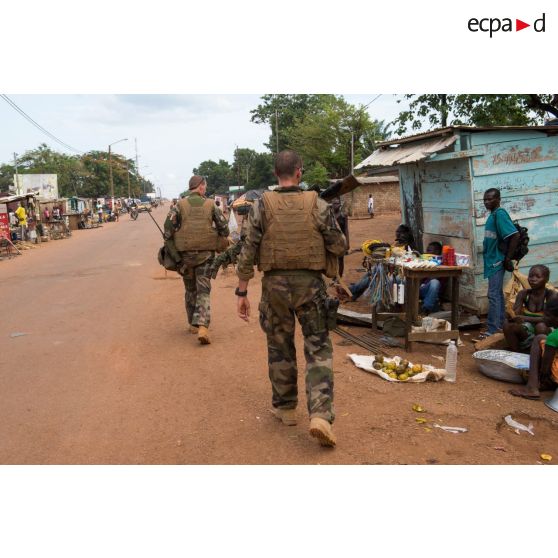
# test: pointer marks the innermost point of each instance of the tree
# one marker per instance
(219, 175)
(286, 111)
(316, 175)
(441, 110)
(83, 176)
(330, 135)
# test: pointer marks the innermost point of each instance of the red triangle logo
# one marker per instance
(519, 25)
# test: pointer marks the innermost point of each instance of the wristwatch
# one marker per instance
(240, 293)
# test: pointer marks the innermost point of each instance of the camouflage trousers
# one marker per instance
(300, 294)
(197, 282)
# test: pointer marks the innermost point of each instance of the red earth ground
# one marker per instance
(106, 373)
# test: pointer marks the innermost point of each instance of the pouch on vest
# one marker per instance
(166, 260)
(332, 265)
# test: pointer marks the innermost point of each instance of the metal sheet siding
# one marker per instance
(524, 167)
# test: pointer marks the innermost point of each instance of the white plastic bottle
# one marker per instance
(451, 362)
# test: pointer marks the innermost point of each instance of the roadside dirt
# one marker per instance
(108, 374)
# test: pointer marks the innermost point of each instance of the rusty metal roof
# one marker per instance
(387, 156)
(451, 129)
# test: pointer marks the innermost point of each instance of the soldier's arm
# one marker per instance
(334, 238)
(172, 224)
(220, 222)
(252, 232)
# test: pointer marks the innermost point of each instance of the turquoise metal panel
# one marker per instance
(534, 181)
(501, 136)
(517, 156)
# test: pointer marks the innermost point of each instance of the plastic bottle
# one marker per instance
(401, 292)
(451, 362)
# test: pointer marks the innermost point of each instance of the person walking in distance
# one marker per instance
(370, 206)
(295, 238)
(199, 230)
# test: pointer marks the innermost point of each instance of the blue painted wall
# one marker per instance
(442, 198)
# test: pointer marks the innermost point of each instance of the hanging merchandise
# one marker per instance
(380, 291)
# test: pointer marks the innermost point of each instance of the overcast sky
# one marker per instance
(174, 132)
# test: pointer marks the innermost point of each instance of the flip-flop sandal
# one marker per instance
(524, 395)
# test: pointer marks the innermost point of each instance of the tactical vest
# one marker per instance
(291, 238)
(196, 231)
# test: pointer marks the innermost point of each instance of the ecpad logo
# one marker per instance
(494, 24)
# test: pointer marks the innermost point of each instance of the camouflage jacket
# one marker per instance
(255, 225)
(173, 223)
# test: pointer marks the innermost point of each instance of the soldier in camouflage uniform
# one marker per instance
(292, 234)
(198, 230)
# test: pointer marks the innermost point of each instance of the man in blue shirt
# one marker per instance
(500, 241)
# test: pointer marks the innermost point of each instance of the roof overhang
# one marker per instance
(408, 153)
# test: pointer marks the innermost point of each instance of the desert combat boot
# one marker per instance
(203, 335)
(193, 329)
(286, 416)
(321, 429)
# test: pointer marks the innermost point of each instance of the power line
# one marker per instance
(374, 99)
(37, 125)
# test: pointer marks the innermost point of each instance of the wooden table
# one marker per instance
(413, 278)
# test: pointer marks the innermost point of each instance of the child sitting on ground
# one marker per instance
(529, 306)
(543, 361)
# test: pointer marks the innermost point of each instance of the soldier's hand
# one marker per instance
(243, 308)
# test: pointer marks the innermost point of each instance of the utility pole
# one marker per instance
(352, 152)
(110, 176)
(128, 176)
(277, 131)
(137, 164)
(17, 176)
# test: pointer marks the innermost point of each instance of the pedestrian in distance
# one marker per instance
(370, 206)
(295, 238)
(500, 241)
(199, 229)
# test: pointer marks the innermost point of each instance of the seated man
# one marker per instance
(429, 290)
(543, 361)
(528, 310)
(404, 237)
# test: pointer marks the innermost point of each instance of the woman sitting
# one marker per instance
(529, 306)
(543, 361)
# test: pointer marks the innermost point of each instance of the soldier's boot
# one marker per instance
(321, 429)
(286, 416)
(193, 329)
(203, 335)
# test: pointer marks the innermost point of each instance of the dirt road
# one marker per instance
(106, 373)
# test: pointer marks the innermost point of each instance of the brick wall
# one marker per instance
(385, 195)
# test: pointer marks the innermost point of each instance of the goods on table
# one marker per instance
(396, 369)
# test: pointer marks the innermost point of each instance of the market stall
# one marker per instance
(395, 278)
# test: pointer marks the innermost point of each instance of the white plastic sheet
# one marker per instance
(365, 362)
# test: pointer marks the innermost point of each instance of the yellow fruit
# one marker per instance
(403, 377)
(391, 365)
(393, 375)
(418, 408)
(417, 368)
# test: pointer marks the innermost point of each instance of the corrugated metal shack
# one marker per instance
(443, 175)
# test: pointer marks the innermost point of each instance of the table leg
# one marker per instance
(409, 309)
(454, 303)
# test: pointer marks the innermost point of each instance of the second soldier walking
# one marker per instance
(200, 229)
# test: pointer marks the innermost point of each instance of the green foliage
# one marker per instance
(316, 175)
(440, 110)
(286, 111)
(219, 175)
(328, 136)
(84, 176)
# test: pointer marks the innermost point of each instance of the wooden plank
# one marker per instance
(517, 156)
(504, 136)
(437, 157)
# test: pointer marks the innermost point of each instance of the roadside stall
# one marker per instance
(395, 278)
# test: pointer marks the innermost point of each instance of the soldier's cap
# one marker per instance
(195, 181)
